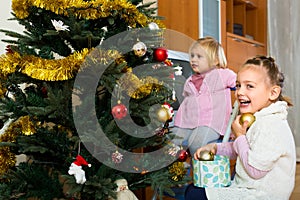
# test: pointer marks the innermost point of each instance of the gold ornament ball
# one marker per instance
(163, 114)
(247, 117)
(206, 156)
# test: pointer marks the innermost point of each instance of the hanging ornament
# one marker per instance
(119, 111)
(123, 192)
(117, 157)
(178, 71)
(76, 169)
(249, 117)
(59, 25)
(182, 155)
(139, 49)
(153, 26)
(44, 92)
(173, 150)
(168, 62)
(165, 113)
(160, 54)
(161, 131)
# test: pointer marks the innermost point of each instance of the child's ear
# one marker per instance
(275, 92)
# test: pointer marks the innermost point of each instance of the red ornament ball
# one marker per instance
(182, 155)
(160, 54)
(119, 111)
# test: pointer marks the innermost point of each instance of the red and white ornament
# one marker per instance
(170, 110)
(117, 157)
(76, 169)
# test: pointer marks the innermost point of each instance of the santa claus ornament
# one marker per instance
(123, 192)
(76, 169)
(139, 49)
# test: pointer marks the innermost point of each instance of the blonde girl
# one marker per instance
(204, 112)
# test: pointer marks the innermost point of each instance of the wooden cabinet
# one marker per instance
(181, 19)
(239, 49)
(243, 26)
(247, 18)
(193, 19)
(246, 30)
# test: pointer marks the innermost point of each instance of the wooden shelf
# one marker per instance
(246, 31)
(247, 18)
(249, 40)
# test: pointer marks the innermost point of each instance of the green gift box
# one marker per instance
(214, 173)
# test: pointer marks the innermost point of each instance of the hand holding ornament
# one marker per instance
(242, 123)
(206, 152)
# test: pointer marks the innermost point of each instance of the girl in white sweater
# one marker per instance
(265, 153)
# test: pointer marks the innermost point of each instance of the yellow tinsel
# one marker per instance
(99, 56)
(139, 88)
(42, 69)
(27, 126)
(53, 70)
(94, 9)
(8, 159)
(177, 171)
(21, 126)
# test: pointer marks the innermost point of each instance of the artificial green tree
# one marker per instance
(85, 78)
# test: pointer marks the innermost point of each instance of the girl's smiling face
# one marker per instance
(199, 59)
(254, 90)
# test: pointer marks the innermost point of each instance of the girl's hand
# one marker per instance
(212, 147)
(237, 128)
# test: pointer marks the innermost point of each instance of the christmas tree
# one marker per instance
(85, 98)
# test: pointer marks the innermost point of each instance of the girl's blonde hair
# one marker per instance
(276, 77)
(213, 49)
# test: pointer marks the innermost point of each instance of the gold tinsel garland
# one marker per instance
(49, 70)
(139, 88)
(66, 68)
(21, 126)
(42, 69)
(93, 9)
(38, 68)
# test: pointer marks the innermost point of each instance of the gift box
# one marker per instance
(214, 173)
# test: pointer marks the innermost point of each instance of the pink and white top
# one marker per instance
(211, 105)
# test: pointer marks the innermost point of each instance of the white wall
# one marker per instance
(6, 24)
